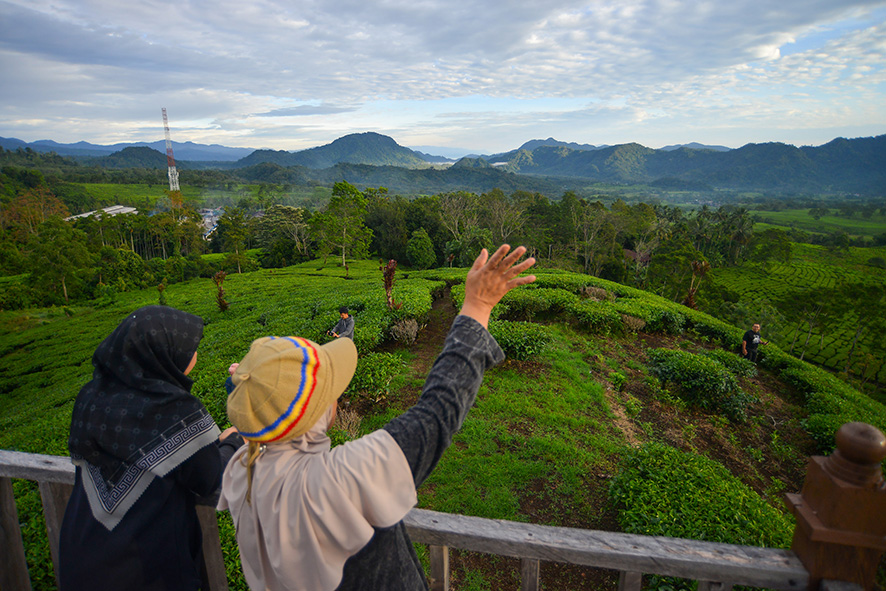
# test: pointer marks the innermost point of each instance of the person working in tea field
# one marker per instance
(750, 342)
(345, 326)
(313, 518)
(144, 448)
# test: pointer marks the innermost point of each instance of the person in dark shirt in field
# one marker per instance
(750, 342)
(345, 326)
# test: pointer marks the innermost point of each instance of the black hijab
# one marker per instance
(136, 419)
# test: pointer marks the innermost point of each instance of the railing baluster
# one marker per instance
(55, 497)
(13, 567)
(439, 568)
(213, 566)
(529, 574)
(714, 586)
(628, 581)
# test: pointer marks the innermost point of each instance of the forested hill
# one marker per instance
(856, 166)
(358, 148)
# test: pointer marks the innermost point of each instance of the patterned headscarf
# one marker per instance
(136, 419)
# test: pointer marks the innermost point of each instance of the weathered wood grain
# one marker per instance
(13, 566)
(707, 561)
(55, 497)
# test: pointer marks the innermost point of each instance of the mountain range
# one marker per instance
(840, 166)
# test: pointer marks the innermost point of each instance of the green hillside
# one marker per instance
(607, 392)
(816, 274)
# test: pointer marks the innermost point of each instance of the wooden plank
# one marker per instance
(13, 566)
(529, 574)
(439, 556)
(213, 568)
(828, 585)
(708, 561)
(630, 581)
(16, 464)
(55, 497)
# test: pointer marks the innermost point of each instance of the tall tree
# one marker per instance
(59, 259)
(340, 227)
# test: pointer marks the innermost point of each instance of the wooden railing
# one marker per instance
(716, 566)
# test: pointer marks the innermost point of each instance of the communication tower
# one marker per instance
(170, 160)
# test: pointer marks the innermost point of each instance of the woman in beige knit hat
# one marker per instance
(313, 518)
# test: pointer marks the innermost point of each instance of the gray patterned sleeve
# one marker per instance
(425, 431)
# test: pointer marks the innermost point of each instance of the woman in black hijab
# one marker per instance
(145, 449)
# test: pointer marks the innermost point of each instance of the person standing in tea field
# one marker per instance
(345, 326)
(750, 342)
(144, 449)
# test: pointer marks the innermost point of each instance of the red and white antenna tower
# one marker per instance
(170, 159)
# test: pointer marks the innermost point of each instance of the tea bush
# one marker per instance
(701, 381)
(373, 376)
(705, 503)
(734, 363)
(528, 303)
(597, 317)
(520, 340)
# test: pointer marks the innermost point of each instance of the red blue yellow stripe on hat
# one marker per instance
(285, 384)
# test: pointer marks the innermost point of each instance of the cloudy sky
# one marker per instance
(466, 75)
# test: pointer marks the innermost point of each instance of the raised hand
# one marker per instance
(491, 277)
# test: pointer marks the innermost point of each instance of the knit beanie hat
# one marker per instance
(285, 384)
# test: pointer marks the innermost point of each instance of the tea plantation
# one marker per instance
(813, 274)
(605, 396)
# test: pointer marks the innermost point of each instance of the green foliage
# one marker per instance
(659, 318)
(705, 503)
(373, 376)
(531, 302)
(420, 250)
(702, 381)
(736, 364)
(520, 340)
(597, 317)
(618, 380)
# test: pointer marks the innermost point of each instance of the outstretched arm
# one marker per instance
(425, 431)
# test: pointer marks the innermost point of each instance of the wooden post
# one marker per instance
(529, 574)
(629, 581)
(55, 497)
(213, 572)
(841, 511)
(439, 568)
(13, 566)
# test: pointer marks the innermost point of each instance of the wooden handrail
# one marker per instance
(716, 566)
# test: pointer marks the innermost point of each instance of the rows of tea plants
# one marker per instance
(813, 270)
(528, 440)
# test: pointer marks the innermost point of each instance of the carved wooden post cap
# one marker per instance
(860, 449)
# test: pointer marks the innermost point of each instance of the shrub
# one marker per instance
(598, 294)
(527, 303)
(597, 317)
(633, 323)
(706, 503)
(734, 363)
(373, 376)
(618, 380)
(404, 331)
(702, 381)
(520, 340)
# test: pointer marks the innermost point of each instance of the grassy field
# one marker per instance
(552, 437)
(817, 269)
(800, 219)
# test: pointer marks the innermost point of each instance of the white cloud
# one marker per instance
(647, 67)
